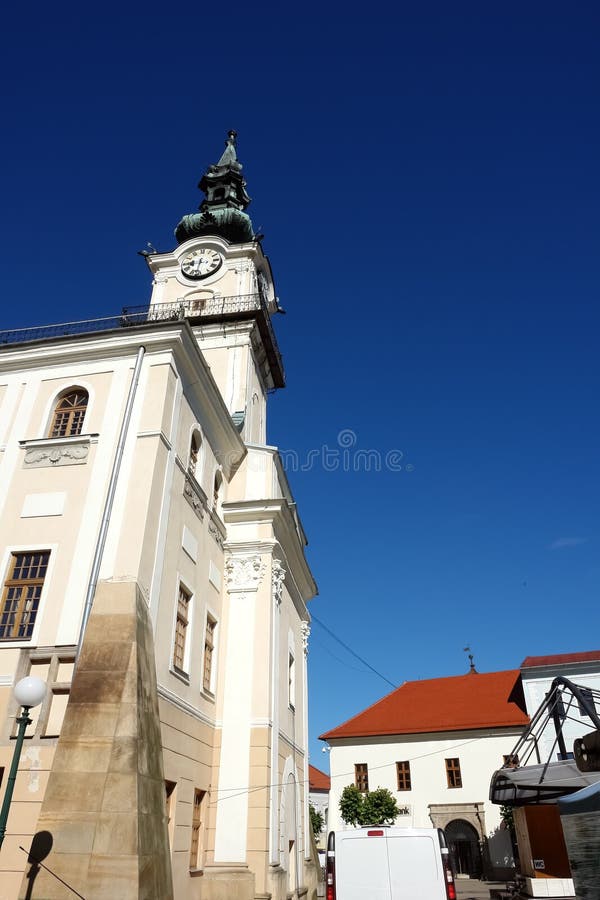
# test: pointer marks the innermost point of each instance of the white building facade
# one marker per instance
(537, 675)
(319, 785)
(434, 745)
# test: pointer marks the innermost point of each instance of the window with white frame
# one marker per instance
(54, 666)
(210, 642)
(182, 621)
(198, 819)
(21, 594)
(69, 413)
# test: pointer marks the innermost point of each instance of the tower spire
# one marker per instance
(229, 153)
(222, 210)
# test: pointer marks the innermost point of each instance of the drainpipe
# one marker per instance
(110, 496)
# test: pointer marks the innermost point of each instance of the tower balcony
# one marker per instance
(197, 312)
(205, 310)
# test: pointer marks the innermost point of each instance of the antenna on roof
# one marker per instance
(472, 669)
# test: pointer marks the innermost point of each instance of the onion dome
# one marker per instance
(222, 210)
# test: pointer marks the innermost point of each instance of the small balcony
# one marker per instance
(195, 310)
(219, 309)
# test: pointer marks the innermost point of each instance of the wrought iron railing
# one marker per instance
(82, 326)
(193, 309)
(200, 307)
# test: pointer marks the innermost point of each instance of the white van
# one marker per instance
(388, 863)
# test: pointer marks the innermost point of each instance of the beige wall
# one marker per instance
(164, 531)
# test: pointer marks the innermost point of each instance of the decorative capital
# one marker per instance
(305, 632)
(244, 573)
(277, 579)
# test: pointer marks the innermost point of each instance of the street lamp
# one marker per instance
(29, 692)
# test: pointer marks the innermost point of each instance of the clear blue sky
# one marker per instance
(426, 176)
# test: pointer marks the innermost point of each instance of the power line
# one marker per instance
(341, 661)
(351, 651)
(263, 787)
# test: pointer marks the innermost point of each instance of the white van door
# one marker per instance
(415, 865)
(361, 863)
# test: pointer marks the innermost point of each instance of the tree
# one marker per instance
(316, 820)
(377, 807)
(351, 803)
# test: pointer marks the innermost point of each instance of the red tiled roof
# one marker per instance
(317, 780)
(588, 656)
(478, 700)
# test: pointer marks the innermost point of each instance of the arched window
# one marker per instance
(195, 445)
(69, 414)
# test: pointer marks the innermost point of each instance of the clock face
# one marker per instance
(200, 263)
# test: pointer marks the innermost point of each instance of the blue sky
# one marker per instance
(426, 177)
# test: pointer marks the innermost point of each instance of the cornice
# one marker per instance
(279, 515)
(113, 343)
(175, 338)
(184, 706)
(567, 670)
(91, 438)
(456, 738)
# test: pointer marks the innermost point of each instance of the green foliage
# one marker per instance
(316, 820)
(351, 803)
(507, 816)
(377, 807)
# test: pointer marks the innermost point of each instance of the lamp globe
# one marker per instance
(30, 691)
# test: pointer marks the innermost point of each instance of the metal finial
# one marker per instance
(472, 669)
(229, 156)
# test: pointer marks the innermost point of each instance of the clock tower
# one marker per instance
(221, 281)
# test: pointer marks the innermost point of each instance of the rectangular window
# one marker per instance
(453, 775)
(56, 669)
(196, 847)
(209, 649)
(587, 695)
(361, 776)
(183, 609)
(403, 775)
(21, 596)
(170, 795)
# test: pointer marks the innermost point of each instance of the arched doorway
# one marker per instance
(465, 852)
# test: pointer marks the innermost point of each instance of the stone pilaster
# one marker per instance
(104, 806)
